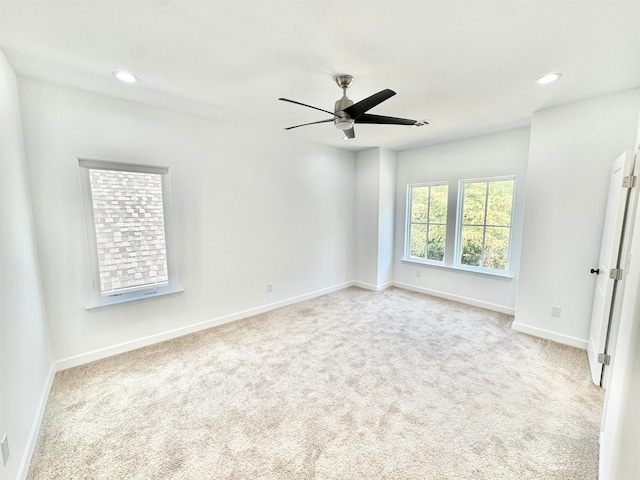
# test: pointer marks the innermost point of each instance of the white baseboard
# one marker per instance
(81, 359)
(369, 286)
(457, 298)
(32, 439)
(549, 335)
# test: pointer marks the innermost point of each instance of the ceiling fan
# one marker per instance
(346, 113)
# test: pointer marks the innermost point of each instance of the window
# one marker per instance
(484, 223)
(427, 225)
(129, 231)
(484, 216)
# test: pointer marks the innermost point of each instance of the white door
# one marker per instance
(604, 295)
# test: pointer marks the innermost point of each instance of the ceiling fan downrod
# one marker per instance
(342, 120)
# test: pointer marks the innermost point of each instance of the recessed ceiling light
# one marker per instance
(548, 78)
(126, 76)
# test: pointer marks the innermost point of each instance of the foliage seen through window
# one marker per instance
(485, 228)
(428, 221)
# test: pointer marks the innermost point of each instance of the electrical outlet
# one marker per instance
(555, 311)
(269, 287)
(5, 449)
(418, 273)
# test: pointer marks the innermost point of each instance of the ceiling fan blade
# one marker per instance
(384, 120)
(305, 105)
(361, 107)
(312, 123)
(350, 133)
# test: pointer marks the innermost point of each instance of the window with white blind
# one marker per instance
(128, 217)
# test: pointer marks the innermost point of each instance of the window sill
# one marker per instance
(505, 276)
(134, 298)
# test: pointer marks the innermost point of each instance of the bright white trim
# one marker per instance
(374, 288)
(420, 261)
(124, 300)
(81, 359)
(603, 454)
(549, 335)
(491, 273)
(32, 439)
(117, 166)
(457, 298)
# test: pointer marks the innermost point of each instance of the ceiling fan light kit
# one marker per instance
(346, 113)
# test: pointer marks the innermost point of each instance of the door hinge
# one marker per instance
(604, 359)
(629, 181)
(616, 273)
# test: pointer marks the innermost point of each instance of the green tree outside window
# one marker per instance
(428, 221)
(485, 228)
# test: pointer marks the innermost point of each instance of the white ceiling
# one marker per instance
(466, 66)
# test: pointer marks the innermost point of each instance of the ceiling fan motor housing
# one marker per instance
(343, 121)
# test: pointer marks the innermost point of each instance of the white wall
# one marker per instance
(26, 363)
(374, 222)
(572, 149)
(367, 186)
(386, 215)
(497, 154)
(250, 208)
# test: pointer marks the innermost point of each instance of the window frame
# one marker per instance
(459, 224)
(96, 299)
(409, 223)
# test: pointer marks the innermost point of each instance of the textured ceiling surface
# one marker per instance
(468, 67)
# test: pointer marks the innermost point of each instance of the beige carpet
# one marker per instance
(351, 385)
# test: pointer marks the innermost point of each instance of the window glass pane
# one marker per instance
(129, 226)
(500, 200)
(435, 244)
(496, 248)
(419, 204)
(471, 245)
(474, 203)
(438, 207)
(418, 240)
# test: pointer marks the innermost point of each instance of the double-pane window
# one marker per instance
(482, 237)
